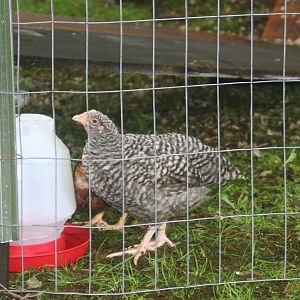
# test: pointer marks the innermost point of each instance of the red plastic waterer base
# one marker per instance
(71, 245)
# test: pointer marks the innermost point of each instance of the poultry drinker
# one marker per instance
(46, 197)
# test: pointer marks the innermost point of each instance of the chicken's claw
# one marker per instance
(146, 244)
(99, 222)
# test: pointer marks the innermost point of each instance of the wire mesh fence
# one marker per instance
(246, 232)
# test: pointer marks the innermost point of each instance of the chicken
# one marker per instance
(81, 188)
(151, 182)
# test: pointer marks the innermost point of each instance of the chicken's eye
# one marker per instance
(94, 121)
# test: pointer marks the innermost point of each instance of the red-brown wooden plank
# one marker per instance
(274, 29)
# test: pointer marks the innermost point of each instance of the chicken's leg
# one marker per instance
(161, 238)
(97, 220)
(119, 226)
(146, 245)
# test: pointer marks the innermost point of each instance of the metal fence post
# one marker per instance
(8, 184)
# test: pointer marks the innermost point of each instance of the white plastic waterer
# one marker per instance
(45, 185)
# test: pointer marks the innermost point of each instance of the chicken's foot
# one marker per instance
(98, 221)
(146, 244)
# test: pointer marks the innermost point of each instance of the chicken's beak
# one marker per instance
(82, 118)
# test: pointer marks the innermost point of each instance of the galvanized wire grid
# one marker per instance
(186, 87)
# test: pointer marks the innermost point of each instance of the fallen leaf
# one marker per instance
(272, 132)
(265, 173)
(33, 283)
(257, 153)
(245, 274)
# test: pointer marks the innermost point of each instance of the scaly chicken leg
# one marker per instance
(97, 220)
(146, 244)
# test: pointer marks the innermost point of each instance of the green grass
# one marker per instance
(141, 10)
(98, 10)
(236, 196)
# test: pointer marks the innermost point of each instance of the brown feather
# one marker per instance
(81, 188)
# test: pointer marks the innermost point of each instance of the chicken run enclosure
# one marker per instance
(223, 72)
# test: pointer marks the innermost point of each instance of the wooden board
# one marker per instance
(104, 50)
(274, 29)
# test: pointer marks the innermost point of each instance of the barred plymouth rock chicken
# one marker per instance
(153, 173)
